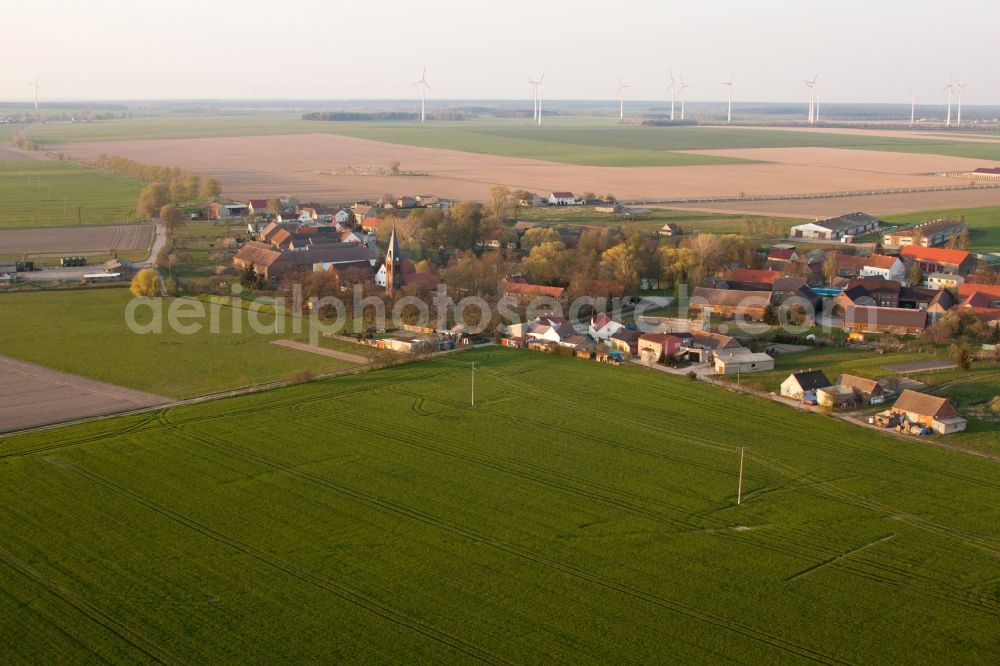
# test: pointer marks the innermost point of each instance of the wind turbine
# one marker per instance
(423, 92)
(37, 88)
(950, 88)
(913, 108)
(812, 98)
(961, 87)
(621, 100)
(541, 80)
(534, 99)
(683, 87)
(729, 111)
(673, 90)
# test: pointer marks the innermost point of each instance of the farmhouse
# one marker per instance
(654, 347)
(792, 290)
(527, 291)
(741, 361)
(602, 326)
(752, 279)
(936, 413)
(926, 234)
(730, 302)
(938, 260)
(257, 207)
(867, 391)
(943, 281)
(835, 396)
(561, 199)
(273, 264)
(625, 340)
(899, 321)
(797, 384)
(670, 229)
(837, 228)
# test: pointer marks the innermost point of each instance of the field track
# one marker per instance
(322, 351)
(32, 396)
(57, 241)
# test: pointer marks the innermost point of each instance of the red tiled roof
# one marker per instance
(934, 254)
(258, 203)
(563, 195)
(970, 288)
(755, 275)
(532, 290)
(880, 261)
(784, 254)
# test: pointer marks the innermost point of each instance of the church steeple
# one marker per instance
(393, 277)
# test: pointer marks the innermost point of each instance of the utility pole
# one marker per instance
(739, 487)
(473, 394)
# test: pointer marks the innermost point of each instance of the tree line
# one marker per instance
(167, 186)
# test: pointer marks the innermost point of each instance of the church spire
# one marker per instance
(393, 278)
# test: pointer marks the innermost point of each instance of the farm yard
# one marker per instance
(86, 335)
(44, 193)
(536, 524)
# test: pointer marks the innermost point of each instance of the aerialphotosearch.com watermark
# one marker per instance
(328, 315)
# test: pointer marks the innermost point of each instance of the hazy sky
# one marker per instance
(872, 50)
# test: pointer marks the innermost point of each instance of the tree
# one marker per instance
(211, 187)
(145, 283)
(961, 353)
(995, 334)
(250, 278)
(914, 276)
(152, 198)
(831, 266)
(499, 201)
(394, 168)
(274, 206)
(534, 237)
(169, 217)
(770, 316)
(621, 263)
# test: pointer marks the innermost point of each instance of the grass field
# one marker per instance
(38, 193)
(85, 334)
(378, 518)
(573, 140)
(984, 224)
(691, 222)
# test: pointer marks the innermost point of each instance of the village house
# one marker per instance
(926, 234)
(866, 391)
(752, 279)
(670, 229)
(788, 291)
(703, 345)
(602, 327)
(931, 411)
(938, 260)
(798, 384)
(625, 340)
(837, 228)
(561, 199)
(732, 303)
(898, 321)
(943, 281)
(257, 207)
(224, 211)
(655, 347)
(835, 396)
(527, 291)
(741, 361)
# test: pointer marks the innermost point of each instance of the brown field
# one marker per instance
(879, 204)
(32, 396)
(266, 166)
(61, 241)
(11, 153)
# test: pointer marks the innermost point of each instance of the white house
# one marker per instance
(884, 267)
(730, 362)
(341, 216)
(944, 281)
(561, 199)
(603, 327)
(797, 384)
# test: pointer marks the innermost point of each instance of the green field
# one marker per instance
(40, 193)
(573, 140)
(984, 224)
(578, 513)
(86, 334)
